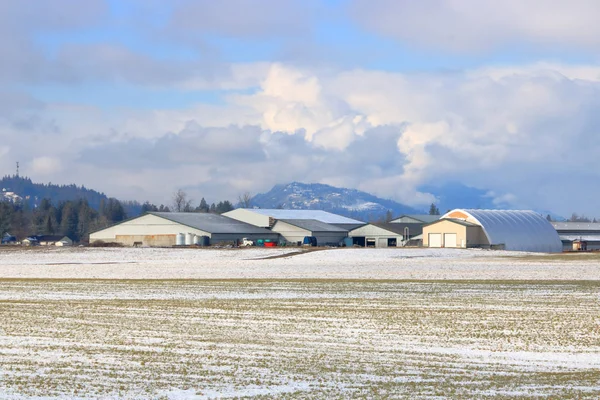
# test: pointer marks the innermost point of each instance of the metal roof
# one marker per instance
(455, 220)
(426, 218)
(349, 227)
(519, 230)
(313, 225)
(398, 227)
(576, 226)
(585, 238)
(211, 223)
(319, 215)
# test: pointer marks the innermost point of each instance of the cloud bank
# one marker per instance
(526, 132)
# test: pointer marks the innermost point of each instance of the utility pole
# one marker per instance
(17, 169)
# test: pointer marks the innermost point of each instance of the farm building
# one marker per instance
(54, 240)
(158, 229)
(7, 238)
(266, 218)
(502, 229)
(384, 234)
(450, 232)
(295, 230)
(416, 219)
(578, 235)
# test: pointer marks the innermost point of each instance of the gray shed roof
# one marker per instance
(319, 215)
(576, 226)
(211, 223)
(585, 238)
(425, 218)
(314, 225)
(398, 227)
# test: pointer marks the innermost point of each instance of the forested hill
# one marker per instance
(33, 193)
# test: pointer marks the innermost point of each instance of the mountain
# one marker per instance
(33, 193)
(21, 189)
(315, 196)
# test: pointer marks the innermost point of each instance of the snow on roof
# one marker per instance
(519, 230)
(313, 225)
(211, 223)
(319, 215)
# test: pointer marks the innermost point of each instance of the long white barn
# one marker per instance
(158, 229)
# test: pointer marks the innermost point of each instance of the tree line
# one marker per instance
(575, 218)
(77, 218)
(74, 218)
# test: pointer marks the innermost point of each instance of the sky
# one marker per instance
(138, 98)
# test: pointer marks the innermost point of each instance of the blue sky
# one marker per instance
(486, 93)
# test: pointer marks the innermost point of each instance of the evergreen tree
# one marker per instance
(223, 207)
(433, 209)
(49, 225)
(6, 211)
(68, 222)
(84, 220)
(203, 207)
(388, 216)
(147, 207)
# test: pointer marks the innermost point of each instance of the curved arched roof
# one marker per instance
(517, 230)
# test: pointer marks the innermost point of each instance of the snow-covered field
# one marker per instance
(462, 324)
(149, 263)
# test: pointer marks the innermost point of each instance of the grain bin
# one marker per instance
(189, 239)
(180, 239)
(196, 240)
(204, 241)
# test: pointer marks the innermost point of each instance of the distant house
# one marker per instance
(48, 240)
(30, 241)
(9, 239)
(55, 240)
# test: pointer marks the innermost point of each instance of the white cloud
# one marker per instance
(521, 132)
(466, 25)
(45, 166)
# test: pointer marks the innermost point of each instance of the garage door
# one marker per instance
(449, 239)
(435, 240)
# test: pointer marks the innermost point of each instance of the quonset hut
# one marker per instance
(502, 229)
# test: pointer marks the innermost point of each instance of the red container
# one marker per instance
(270, 244)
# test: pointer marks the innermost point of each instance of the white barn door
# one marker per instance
(435, 240)
(450, 240)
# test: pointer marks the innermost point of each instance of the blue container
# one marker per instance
(204, 241)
